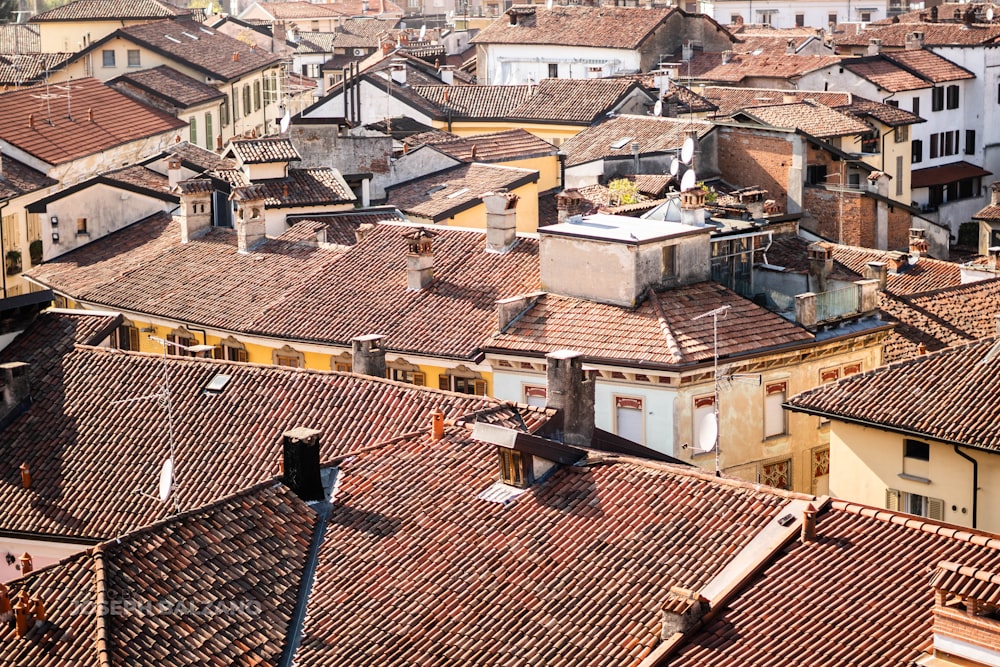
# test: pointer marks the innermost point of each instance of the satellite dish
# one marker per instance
(285, 120)
(913, 258)
(548, 5)
(166, 479)
(658, 108)
(675, 166)
(989, 14)
(688, 180)
(423, 32)
(708, 431)
(687, 151)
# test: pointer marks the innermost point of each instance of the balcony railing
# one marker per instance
(815, 308)
(837, 304)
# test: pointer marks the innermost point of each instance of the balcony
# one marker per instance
(815, 309)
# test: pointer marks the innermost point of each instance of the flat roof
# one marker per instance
(622, 229)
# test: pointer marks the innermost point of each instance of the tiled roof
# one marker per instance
(654, 134)
(300, 10)
(19, 38)
(574, 571)
(77, 424)
(773, 42)
(272, 291)
(660, 331)
(709, 66)
(217, 584)
(117, 119)
(138, 176)
(935, 34)
(930, 65)
(810, 117)
(206, 50)
(731, 99)
(941, 318)
(198, 157)
(884, 113)
(574, 100)
(338, 228)
(111, 10)
(962, 410)
(502, 146)
(687, 101)
(446, 193)
(28, 68)
(603, 27)
(886, 74)
(945, 174)
(262, 151)
(17, 178)
(301, 187)
(991, 212)
(858, 594)
(167, 83)
(56, 332)
(474, 101)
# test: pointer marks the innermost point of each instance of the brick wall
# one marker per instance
(900, 222)
(984, 632)
(858, 227)
(748, 157)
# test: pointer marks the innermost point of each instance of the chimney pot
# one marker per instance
(21, 624)
(31, 120)
(39, 607)
(25, 476)
(300, 463)
(368, 355)
(437, 424)
(236, 56)
(921, 350)
(90, 115)
(419, 259)
(26, 566)
(809, 523)
(501, 220)
(4, 600)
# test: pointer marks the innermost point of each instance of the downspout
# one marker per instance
(975, 482)
(3, 274)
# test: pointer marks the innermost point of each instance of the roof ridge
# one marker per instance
(102, 638)
(970, 535)
(668, 334)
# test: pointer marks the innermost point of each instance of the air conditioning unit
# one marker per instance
(359, 52)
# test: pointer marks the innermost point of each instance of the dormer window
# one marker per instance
(515, 467)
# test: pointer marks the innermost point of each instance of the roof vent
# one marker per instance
(217, 384)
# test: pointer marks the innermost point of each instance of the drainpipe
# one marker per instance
(975, 482)
(3, 264)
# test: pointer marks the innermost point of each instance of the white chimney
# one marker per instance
(173, 172)
(195, 214)
(914, 41)
(874, 46)
(687, 50)
(398, 71)
(448, 75)
(501, 220)
(419, 259)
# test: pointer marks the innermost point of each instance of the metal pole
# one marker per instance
(715, 362)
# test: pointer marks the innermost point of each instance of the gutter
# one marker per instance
(975, 482)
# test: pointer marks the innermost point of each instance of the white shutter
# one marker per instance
(935, 509)
(892, 499)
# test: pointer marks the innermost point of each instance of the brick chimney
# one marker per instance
(914, 41)
(877, 271)
(571, 391)
(570, 202)
(368, 355)
(693, 207)
(820, 266)
(15, 389)
(918, 242)
(501, 220)
(419, 259)
(250, 221)
(965, 603)
(300, 463)
(195, 215)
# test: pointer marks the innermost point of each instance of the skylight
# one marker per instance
(173, 39)
(621, 143)
(217, 384)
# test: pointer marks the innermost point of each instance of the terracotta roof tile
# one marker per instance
(935, 34)
(886, 74)
(731, 99)
(338, 228)
(961, 410)
(502, 146)
(301, 10)
(139, 176)
(858, 594)
(214, 53)
(474, 101)
(20, 69)
(574, 100)
(117, 119)
(655, 135)
(164, 82)
(19, 38)
(301, 187)
(930, 65)
(89, 10)
(224, 442)
(605, 26)
(17, 178)
(709, 66)
(810, 117)
(261, 151)
(946, 174)
(658, 332)
(446, 193)
(884, 113)
(199, 158)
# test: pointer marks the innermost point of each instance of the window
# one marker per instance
(81, 225)
(970, 142)
(208, 130)
(916, 106)
(669, 261)
(108, 58)
(535, 396)
(133, 58)
(821, 471)
(913, 503)
(949, 144)
(246, 100)
(866, 17)
(127, 338)
(831, 19)
(181, 338)
(409, 376)
(224, 112)
(916, 151)
(314, 26)
(935, 140)
(892, 103)
(816, 174)
(870, 142)
(735, 19)
(937, 99)
(256, 95)
(193, 129)
(513, 470)
(952, 97)
(236, 107)
(230, 349)
(775, 423)
(800, 20)
(944, 143)
(553, 71)
(288, 357)
(915, 449)
(901, 134)
(629, 421)
(462, 385)
(704, 421)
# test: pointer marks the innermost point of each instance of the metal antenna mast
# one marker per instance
(714, 314)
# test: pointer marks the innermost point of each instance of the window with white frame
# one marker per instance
(629, 421)
(704, 421)
(914, 503)
(775, 421)
(535, 396)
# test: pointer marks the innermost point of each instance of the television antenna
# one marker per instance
(714, 425)
(167, 483)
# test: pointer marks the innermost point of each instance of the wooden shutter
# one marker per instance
(133, 339)
(935, 509)
(892, 498)
(480, 387)
(444, 382)
(420, 379)
(241, 355)
(219, 352)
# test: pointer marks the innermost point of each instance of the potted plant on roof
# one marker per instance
(13, 262)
